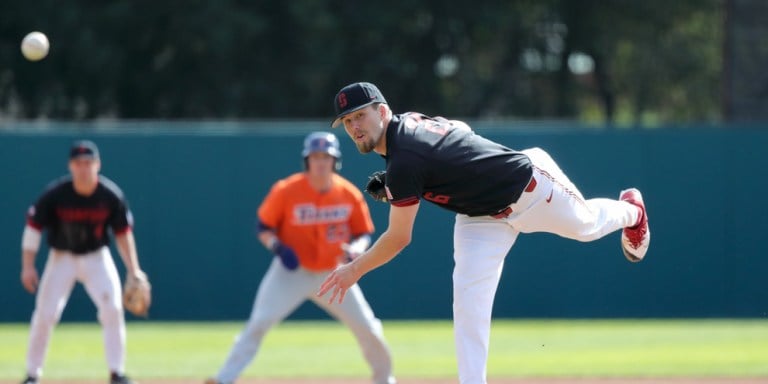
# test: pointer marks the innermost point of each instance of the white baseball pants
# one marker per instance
(97, 272)
(481, 244)
(281, 291)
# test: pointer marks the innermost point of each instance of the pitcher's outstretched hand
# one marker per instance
(343, 277)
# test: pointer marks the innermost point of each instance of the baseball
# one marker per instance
(35, 46)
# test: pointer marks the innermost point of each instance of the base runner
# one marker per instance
(312, 221)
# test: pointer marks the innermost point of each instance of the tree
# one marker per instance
(286, 59)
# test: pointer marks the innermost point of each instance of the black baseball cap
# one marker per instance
(354, 97)
(83, 149)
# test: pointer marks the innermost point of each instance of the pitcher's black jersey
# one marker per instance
(79, 223)
(445, 162)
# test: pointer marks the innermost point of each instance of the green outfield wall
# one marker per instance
(194, 189)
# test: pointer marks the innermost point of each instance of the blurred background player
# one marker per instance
(77, 211)
(312, 221)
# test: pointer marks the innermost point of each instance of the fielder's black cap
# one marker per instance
(83, 149)
(354, 97)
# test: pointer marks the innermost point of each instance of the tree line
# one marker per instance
(594, 60)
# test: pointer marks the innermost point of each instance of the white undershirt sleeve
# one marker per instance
(30, 240)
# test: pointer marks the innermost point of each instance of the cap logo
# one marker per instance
(354, 97)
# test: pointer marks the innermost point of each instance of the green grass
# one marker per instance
(519, 348)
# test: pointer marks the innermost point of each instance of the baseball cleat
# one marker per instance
(211, 380)
(635, 239)
(30, 380)
(115, 378)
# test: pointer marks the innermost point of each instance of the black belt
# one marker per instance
(508, 210)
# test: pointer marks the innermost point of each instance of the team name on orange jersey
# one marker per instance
(308, 214)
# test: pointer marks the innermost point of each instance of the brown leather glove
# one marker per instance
(137, 295)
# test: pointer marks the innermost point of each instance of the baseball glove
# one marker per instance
(376, 186)
(137, 295)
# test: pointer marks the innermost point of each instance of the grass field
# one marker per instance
(421, 349)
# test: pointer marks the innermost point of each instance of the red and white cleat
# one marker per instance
(635, 239)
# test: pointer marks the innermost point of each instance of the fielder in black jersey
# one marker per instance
(79, 212)
(496, 192)
(77, 223)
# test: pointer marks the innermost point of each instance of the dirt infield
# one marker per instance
(445, 381)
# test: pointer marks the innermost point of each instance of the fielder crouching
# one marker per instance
(77, 211)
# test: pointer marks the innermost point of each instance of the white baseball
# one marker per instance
(35, 46)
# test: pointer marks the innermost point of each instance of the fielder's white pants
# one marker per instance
(481, 244)
(281, 291)
(97, 272)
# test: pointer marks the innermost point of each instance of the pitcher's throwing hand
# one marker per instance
(339, 280)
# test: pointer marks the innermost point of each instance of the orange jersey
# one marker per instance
(315, 224)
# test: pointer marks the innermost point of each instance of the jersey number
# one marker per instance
(337, 233)
(440, 199)
(418, 121)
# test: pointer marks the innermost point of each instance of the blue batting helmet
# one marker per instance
(324, 142)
